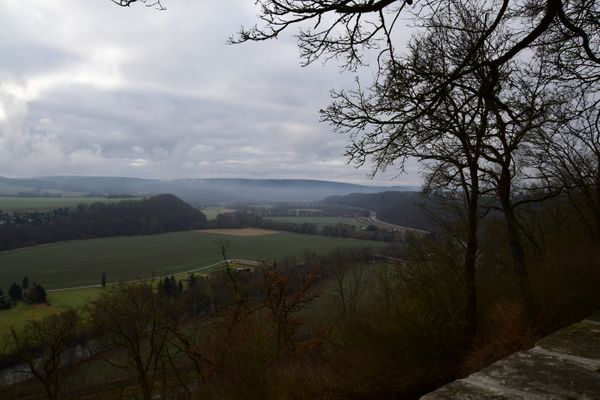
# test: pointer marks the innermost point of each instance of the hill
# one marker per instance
(163, 213)
(193, 190)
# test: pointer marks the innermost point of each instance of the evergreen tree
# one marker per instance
(174, 287)
(4, 302)
(15, 292)
(25, 284)
(103, 279)
(167, 289)
(192, 280)
(36, 294)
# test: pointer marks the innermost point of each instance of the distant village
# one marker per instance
(34, 217)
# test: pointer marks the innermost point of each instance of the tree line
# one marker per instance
(158, 214)
(32, 294)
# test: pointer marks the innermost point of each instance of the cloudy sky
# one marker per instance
(89, 88)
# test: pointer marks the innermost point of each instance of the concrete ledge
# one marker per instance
(564, 365)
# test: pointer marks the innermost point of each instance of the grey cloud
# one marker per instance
(136, 92)
(27, 58)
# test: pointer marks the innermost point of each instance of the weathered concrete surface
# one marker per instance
(564, 365)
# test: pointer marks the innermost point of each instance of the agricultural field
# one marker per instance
(46, 203)
(17, 316)
(58, 299)
(240, 232)
(81, 262)
(319, 221)
(212, 212)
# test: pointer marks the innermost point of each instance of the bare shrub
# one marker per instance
(507, 329)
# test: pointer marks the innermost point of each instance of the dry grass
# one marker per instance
(507, 330)
(240, 232)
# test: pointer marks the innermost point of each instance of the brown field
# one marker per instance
(239, 232)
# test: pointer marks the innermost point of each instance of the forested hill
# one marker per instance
(400, 208)
(163, 213)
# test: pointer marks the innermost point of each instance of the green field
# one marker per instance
(81, 262)
(17, 316)
(45, 203)
(319, 221)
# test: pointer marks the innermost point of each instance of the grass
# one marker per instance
(78, 263)
(319, 221)
(81, 262)
(21, 313)
(45, 203)
(18, 315)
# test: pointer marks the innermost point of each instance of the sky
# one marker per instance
(90, 88)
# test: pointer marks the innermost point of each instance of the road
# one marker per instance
(372, 220)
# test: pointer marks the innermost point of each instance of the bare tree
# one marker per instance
(185, 337)
(562, 37)
(284, 297)
(148, 3)
(522, 107)
(349, 288)
(568, 157)
(346, 28)
(134, 319)
(333, 28)
(43, 344)
(392, 121)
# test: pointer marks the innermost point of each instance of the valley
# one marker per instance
(81, 262)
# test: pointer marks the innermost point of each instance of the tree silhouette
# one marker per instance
(42, 346)
(15, 292)
(36, 294)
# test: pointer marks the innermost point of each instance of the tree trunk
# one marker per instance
(516, 245)
(470, 261)
(143, 378)
(471, 288)
(596, 205)
(146, 389)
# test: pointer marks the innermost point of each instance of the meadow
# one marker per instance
(46, 203)
(319, 221)
(18, 315)
(81, 262)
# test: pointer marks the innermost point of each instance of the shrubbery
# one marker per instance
(36, 294)
(31, 294)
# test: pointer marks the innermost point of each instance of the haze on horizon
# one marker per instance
(89, 88)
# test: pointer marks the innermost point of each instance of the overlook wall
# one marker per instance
(564, 365)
